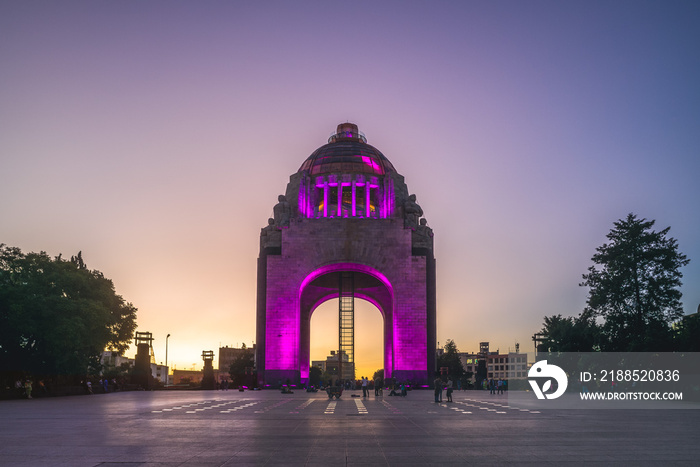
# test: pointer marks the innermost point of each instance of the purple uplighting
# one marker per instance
(345, 267)
(368, 160)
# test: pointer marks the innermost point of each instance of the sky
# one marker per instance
(156, 136)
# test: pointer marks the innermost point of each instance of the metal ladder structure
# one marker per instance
(346, 324)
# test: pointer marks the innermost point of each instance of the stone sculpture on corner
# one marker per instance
(282, 212)
(423, 235)
(412, 213)
(270, 235)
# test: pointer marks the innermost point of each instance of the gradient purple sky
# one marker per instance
(155, 137)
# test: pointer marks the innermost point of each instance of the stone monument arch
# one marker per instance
(346, 227)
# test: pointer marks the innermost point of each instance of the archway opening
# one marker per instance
(369, 335)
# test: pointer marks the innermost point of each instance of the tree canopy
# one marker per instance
(57, 316)
(634, 285)
(450, 360)
(315, 375)
(241, 366)
(634, 301)
(580, 334)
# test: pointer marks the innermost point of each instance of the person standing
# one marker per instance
(438, 389)
(448, 388)
(28, 388)
(365, 382)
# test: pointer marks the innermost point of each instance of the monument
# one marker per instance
(144, 357)
(346, 228)
(208, 378)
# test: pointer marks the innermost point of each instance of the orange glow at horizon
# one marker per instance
(369, 335)
(184, 352)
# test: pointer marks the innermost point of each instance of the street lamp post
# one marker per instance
(167, 370)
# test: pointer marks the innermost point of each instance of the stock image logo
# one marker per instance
(542, 371)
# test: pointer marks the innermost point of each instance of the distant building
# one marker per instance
(113, 359)
(330, 365)
(506, 366)
(470, 362)
(187, 376)
(228, 354)
(510, 366)
(195, 376)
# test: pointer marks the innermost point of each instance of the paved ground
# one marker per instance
(216, 428)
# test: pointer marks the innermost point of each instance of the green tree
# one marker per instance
(570, 334)
(634, 285)
(57, 316)
(117, 372)
(242, 367)
(450, 359)
(688, 333)
(481, 373)
(378, 374)
(315, 374)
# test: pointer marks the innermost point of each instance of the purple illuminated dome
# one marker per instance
(346, 227)
(346, 178)
(347, 151)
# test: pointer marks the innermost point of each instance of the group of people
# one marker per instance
(395, 388)
(399, 389)
(222, 385)
(365, 386)
(497, 386)
(377, 384)
(24, 389)
(104, 385)
(448, 386)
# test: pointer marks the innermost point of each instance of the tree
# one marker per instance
(117, 372)
(57, 316)
(570, 334)
(242, 367)
(315, 374)
(450, 359)
(688, 333)
(481, 373)
(634, 285)
(378, 374)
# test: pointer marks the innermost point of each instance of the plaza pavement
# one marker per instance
(231, 428)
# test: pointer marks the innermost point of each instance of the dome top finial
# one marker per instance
(347, 132)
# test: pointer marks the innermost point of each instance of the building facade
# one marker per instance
(508, 366)
(330, 365)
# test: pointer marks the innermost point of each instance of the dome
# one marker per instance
(347, 152)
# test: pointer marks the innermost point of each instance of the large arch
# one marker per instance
(322, 285)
